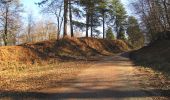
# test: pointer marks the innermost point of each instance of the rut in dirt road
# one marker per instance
(112, 78)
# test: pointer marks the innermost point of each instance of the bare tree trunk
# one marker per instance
(166, 11)
(29, 34)
(6, 28)
(65, 17)
(30, 22)
(71, 21)
(87, 24)
(91, 25)
(60, 22)
(58, 34)
(103, 25)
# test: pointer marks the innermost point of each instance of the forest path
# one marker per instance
(112, 78)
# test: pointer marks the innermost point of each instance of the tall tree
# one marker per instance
(135, 36)
(54, 7)
(65, 17)
(86, 6)
(91, 15)
(103, 9)
(109, 34)
(154, 15)
(30, 27)
(119, 17)
(9, 19)
(71, 20)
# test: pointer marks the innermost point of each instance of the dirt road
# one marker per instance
(113, 78)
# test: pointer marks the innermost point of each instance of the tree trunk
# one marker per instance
(71, 21)
(29, 33)
(60, 22)
(91, 25)
(103, 25)
(58, 34)
(65, 17)
(6, 28)
(87, 24)
(167, 14)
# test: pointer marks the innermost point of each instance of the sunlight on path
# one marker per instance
(112, 78)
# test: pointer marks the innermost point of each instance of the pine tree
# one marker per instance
(135, 36)
(109, 34)
(118, 15)
(103, 9)
(65, 17)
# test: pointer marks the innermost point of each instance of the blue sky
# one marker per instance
(30, 7)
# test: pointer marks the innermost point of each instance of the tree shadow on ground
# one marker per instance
(62, 50)
(70, 48)
(161, 71)
(158, 64)
(95, 94)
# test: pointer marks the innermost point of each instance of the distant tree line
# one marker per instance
(12, 30)
(105, 19)
(10, 21)
(37, 31)
(110, 15)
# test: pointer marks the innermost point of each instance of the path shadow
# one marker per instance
(125, 54)
(95, 94)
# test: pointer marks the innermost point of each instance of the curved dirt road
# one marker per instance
(112, 78)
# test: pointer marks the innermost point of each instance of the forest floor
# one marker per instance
(108, 78)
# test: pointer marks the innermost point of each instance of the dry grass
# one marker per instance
(156, 56)
(64, 49)
(151, 79)
(16, 54)
(155, 65)
(34, 77)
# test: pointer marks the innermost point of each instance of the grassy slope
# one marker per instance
(156, 56)
(62, 49)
